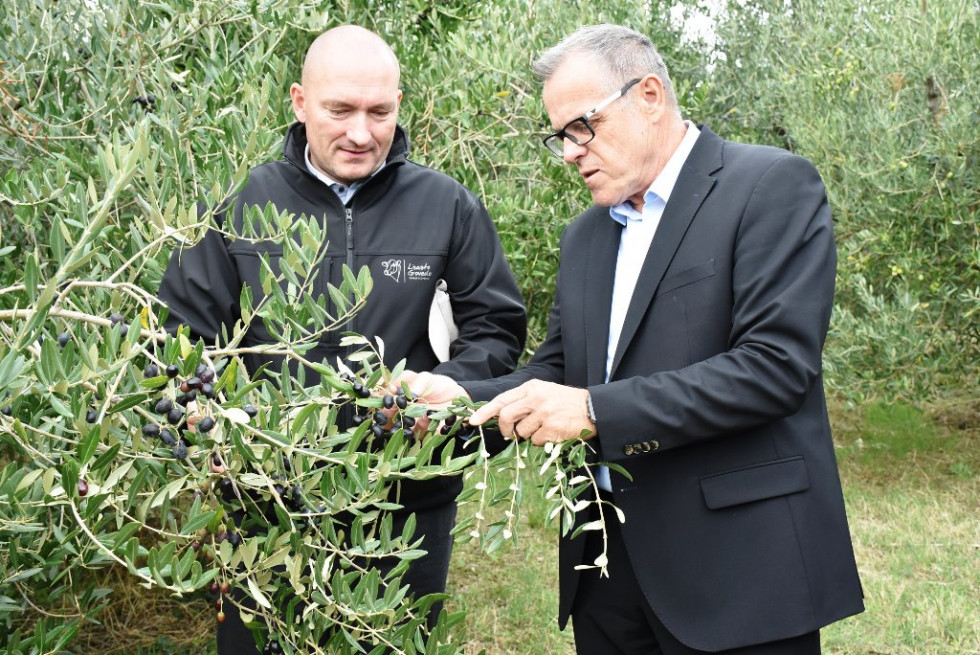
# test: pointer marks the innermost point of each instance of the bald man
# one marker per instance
(345, 162)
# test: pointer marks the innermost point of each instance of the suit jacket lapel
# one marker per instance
(692, 187)
(600, 269)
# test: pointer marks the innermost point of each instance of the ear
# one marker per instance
(398, 103)
(296, 93)
(652, 95)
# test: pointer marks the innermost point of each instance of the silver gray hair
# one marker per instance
(625, 54)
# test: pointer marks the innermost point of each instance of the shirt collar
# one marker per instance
(326, 179)
(660, 189)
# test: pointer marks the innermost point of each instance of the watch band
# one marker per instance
(589, 409)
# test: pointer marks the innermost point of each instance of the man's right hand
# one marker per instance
(436, 391)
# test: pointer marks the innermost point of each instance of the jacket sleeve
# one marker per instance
(784, 265)
(202, 288)
(487, 304)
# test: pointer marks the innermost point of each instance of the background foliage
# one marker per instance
(117, 117)
(883, 98)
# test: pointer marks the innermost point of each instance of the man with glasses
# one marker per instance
(685, 344)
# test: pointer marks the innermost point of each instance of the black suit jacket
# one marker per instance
(735, 522)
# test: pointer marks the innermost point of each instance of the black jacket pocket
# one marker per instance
(687, 276)
(777, 478)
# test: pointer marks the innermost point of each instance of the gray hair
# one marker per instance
(625, 54)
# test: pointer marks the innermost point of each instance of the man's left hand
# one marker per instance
(539, 411)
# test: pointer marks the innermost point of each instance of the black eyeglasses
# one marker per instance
(578, 130)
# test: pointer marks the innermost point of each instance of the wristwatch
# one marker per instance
(589, 409)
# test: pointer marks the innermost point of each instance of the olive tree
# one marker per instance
(883, 98)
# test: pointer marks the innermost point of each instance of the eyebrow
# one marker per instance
(343, 104)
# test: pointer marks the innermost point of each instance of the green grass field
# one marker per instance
(912, 485)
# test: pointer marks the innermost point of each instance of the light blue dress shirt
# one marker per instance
(639, 228)
(343, 191)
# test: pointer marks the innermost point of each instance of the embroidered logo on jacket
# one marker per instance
(400, 270)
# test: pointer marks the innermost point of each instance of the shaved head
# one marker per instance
(347, 45)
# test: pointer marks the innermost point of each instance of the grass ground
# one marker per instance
(912, 483)
(912, 486)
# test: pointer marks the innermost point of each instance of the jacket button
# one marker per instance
(655, 445)
(628, 450)
(645, 446)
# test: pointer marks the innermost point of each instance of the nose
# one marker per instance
(357, 129)
(570, 151)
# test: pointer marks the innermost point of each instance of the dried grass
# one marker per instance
(138, 619)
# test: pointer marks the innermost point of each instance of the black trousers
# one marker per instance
(610, 616)
(426, 575)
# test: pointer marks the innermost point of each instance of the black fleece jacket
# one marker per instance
(410, 226)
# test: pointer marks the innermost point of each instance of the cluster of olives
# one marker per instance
(171, 429)
(383, 424)
(447, 424)
(218, 591)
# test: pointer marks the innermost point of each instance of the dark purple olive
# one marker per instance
(180, 450)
